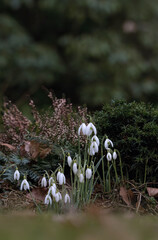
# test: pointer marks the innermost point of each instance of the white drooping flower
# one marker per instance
(93, 148)
(48, 200)
(52, 191)
(96, 139)
(67, 198)
(114, 155)
(91, 129)
(16, 175)
(58, 174)
(51, 180)
(88, 173)
(108, 143)
(82, 129)
(44, 182)
(109, 156)
(58, 197)
(74, 168)
(62, 179)
(69, 161)
(81, 178)
(25, 185)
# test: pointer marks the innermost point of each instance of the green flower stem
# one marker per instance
(103, 164)
(109, 180)
(120, 165)
(116, 175)
(7, 169)
(39, 210)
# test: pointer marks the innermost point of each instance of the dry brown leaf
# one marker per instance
(44, 152)
(38, 194)
(125, 196)
(153, 192)
(12, 148)
(35, 149)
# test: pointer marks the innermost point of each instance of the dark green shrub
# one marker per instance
(133, 127)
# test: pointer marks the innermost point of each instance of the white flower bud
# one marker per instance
(108, 143)
(96, 139)
(48, 200)
(82, 128)
(51, 180)
(81, 178)
(109, 156)
(58, 197)
(67, 198)
(90, 129)
(69, 161)
(58, 174)
(114, 155)
(52, 191)
(25, 185)
(62, 179)
(74, 168)
(16, 175)
(44, 182)
(88, 173)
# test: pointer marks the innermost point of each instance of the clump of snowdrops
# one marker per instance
(84, 174)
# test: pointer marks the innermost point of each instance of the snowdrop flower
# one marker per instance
(114, 155)
(48, 200)
(62, 179)
(82, 128)
(67, 198)
(58, 174)
(51, 180)
(90, 129)
(16, 175)
(96, 139)
(74, 168)
(44, 182)
(109, 156)
(25, 185)
(52, 191)
(108, 143)
(88, 173)
(93, 148)
(58, 197)
(69, 160)
(81, 178)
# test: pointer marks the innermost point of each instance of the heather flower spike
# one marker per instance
(48, 200)
(16, 175)
(44, 182)
(91, 129)
(82, 129)
(88, 173)
(25, 185)
(108, 143)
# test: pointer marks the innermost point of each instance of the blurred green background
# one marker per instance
(90, 50)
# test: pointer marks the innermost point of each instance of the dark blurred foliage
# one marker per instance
(90, 50)
(133, 128)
